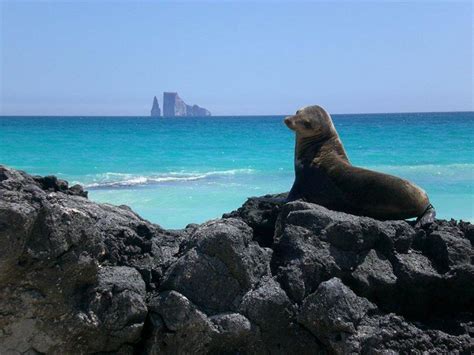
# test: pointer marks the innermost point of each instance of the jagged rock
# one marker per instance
(68, 268)
(52, 183)
(155, 109)
(447, 249)
(178, 326)
(270, 309)
(196, 111)
(295, 278)
(260, 213)
(391, 334)
(234, 332)
(173, 106)
(175, 318)
(375, 279)
(116, 305)
(347, 323)
(468, 230)
(333, 313)
(313, 244)
(222, 266)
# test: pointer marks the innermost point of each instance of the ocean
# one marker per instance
(175, 171)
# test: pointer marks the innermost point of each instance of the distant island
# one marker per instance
(174, 106)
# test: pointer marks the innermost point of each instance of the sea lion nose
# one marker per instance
(287, 121)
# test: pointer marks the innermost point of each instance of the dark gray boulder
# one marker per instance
(115, 304)
(270, 309)
(295, 278)
(260, 213)
(178, 326)
(347, 324)
(222, 264)
(53, 184)
(333, 313)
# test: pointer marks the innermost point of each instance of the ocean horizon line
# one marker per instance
(230, 116)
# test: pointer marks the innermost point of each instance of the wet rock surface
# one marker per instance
(296, 278)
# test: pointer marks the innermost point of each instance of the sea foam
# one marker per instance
(116, 180)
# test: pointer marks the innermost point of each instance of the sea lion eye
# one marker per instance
(307, 124)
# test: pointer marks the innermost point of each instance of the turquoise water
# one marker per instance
(177, 171)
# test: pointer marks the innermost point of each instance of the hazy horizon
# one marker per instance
(259, 115)
(235, 59)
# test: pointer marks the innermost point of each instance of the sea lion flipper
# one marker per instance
(294, 194)
(427, 217)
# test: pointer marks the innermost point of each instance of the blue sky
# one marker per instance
(111, 57)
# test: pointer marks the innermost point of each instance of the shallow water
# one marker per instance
(183, 170)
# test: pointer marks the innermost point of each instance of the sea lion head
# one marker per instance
(310, 121)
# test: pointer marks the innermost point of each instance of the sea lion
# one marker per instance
(324, 175)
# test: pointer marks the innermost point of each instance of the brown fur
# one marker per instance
(325, 176)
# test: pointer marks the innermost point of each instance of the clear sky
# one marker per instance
(112, 57)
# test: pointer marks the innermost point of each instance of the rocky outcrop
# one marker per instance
(296, 278)
(174, 106)
(196, 111)
(155, 109)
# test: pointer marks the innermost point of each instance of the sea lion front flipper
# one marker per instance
(427, 217)
(294, 194)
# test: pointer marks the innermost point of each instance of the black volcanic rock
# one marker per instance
(296, 278)
(52, 183)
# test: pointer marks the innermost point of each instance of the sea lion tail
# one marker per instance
(427, 217)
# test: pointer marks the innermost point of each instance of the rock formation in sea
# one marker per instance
(173, 106)
(155, 110)
(295, 278)
(196, 111)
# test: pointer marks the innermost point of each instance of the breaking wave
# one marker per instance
(428, 172)
(111, 180)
